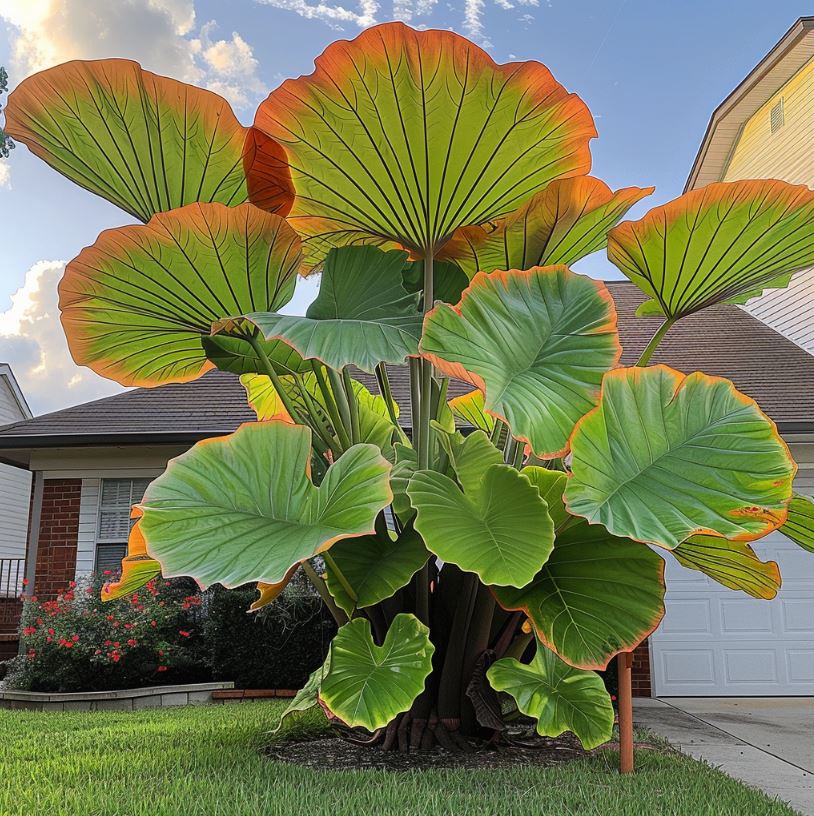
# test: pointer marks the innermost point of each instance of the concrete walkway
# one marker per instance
(767, 742)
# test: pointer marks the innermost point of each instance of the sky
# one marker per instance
(651, 71)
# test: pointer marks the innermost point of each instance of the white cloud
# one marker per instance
(160, 34)
(333, 15)
(5, 175)
(33, 344)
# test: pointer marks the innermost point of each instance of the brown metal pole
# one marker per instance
(625, 672)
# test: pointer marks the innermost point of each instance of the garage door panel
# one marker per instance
(715, 641)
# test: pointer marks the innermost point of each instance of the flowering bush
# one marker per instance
(77, 642)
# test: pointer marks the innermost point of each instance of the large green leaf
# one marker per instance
(137, 304)
(362, 316)
(799, 526)
(536, 343)
(376, 566)
(725, 242)
(470, 457)
(241, 508)
(595, 596)
(560, 697)
(402, 135)
(499, 529)
(375, 425)
(731, 563)
(145, 142)
(566, 221)
(404, 468)
(367, 685)
(665, 456)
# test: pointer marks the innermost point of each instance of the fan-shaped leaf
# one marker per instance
(138, 568)
(241, 508)
(367, 685)
(665, 456)
(560, 697)
(595, 596)
(799, 526)
(726, 242)
(404, 136)
(499, 529)
(731, 563)
(566, 221)
(536, 343)
(362, 315)
(145, 142)
(136, 305)
(376, 566)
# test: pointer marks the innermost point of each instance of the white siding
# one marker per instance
(15, 486)
(88, 520)
(785, 154)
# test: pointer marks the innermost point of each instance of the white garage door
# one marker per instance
(714, 641)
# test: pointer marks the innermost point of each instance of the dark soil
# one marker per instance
(335, 754)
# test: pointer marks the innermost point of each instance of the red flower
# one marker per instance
(30, 630)
(183, 633)
(132, 642)
(161, 653)
(116, 644)
(153, 623)
(74, 638)
(128, 625)
(50, 630)
(107, 643)
(108, 572)
(109, 617)
(25, 581)
(72, 585)
(162, 668)
(115, 657)
(32, 653)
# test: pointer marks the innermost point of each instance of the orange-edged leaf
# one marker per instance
(536, 342)
(404, 136)
(138, 568)
(242, 508)
(666, 455)
(145, 142)
(731, 563)
(596, 596)
(722, 243)
(566, 221)
(263, 398)
(268, 593)
(136, 305)
(469, 408)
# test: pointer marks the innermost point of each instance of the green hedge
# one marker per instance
(277, 647)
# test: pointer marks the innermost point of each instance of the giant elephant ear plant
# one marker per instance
(442, 197)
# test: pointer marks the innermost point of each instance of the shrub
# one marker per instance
(78, 643)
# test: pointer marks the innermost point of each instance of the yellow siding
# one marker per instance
(787, 154)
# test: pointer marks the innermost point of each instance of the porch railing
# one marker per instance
(12, 573)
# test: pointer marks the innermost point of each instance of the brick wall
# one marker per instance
(59, 530)
(641, 671)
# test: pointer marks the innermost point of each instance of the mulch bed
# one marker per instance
(335, 754)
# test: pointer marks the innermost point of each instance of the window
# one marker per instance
(113, 527)
(777, 116)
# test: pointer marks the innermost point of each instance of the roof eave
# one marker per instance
(781, 51)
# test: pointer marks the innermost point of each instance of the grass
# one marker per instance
(205, 762)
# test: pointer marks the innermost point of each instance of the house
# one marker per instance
(90, 462)
(763, 129)
(15, 493)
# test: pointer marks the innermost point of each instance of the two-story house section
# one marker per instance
(765, 129)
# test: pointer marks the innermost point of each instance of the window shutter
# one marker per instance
(117, 497)
(777, 116)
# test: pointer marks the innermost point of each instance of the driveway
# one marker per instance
(767, 742)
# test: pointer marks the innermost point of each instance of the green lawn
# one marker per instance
(205, 762)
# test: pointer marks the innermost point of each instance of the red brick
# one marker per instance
(59, 528)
